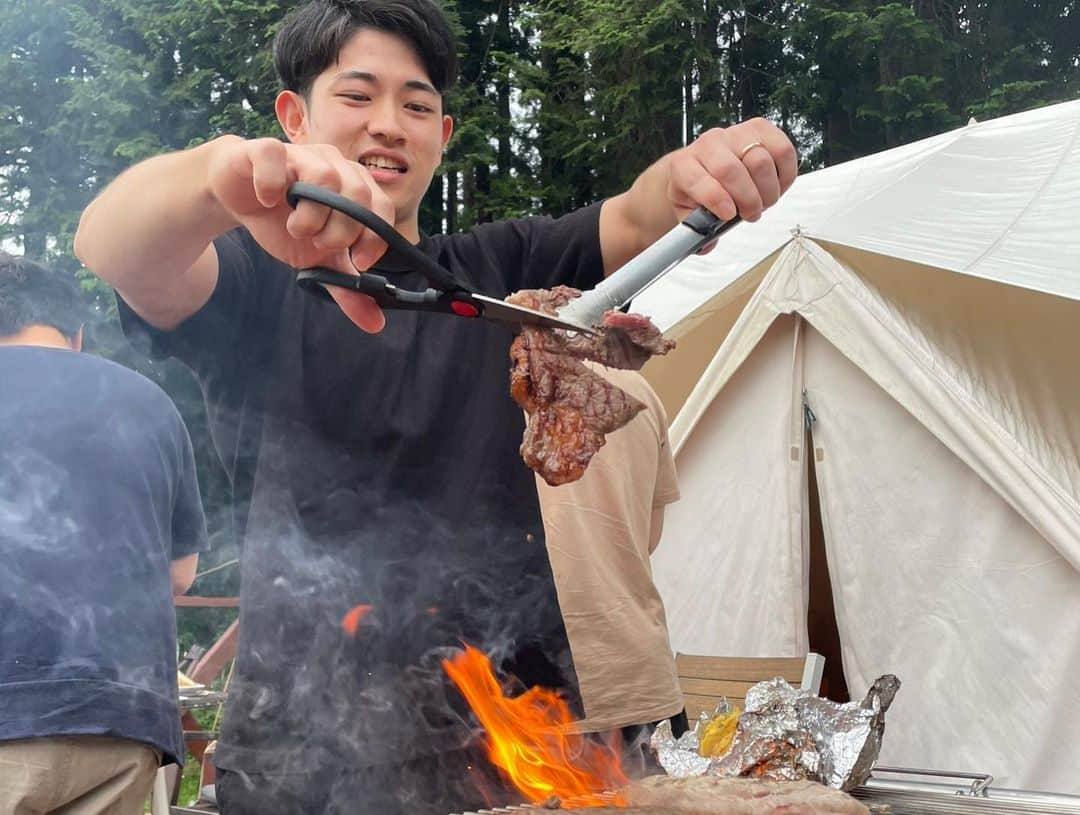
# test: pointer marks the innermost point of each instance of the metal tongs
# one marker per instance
(615, 292)
(455, 296)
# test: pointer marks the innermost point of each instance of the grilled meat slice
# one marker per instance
(570, 407)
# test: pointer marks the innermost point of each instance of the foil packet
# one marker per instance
(785, 734)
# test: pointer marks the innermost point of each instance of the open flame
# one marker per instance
(350, 623)
(530, 738)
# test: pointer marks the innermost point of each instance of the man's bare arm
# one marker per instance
(149, 235)
(182, 573)
(150, 232)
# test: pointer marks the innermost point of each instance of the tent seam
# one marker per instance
(958, 134)
(1035, 197)
(875, 308)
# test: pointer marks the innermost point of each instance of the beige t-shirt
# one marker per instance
(600, 532)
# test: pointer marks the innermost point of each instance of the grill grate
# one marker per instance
(894, 799)
(536, 808)
(903, 802)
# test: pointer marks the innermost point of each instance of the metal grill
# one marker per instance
(889, 797)
(897, 802)
(976, 797)
(534, 808)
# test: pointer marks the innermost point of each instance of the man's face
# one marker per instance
(378, 107)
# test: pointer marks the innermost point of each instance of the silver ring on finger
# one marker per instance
(748, 148)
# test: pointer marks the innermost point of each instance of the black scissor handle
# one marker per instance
(395, 240)
(316, 279)
(387, 295)
(377, 287)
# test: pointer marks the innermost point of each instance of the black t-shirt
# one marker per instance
(380, 470)
(98, 495)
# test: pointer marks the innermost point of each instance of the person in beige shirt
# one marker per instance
(600, 533)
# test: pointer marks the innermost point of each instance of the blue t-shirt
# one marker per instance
(98, 494)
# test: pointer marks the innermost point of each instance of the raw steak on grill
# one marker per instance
(571, 408)
(714, 795)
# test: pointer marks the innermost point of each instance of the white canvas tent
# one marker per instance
(924, 304)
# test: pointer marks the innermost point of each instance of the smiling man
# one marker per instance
(378, 86)
(378, 467)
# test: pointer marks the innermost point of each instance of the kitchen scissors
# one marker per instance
(448, 294)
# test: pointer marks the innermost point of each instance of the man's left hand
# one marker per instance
(740, 169)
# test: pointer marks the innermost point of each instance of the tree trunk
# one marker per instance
(468, 192)
(451, 201)
(837, 136)
(35, 239)
(35, 242)
(483, 194)
(710, 72)
(505, 41)
(688, 106)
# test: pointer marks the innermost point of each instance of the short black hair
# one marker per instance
(33, 294)
(311, 37)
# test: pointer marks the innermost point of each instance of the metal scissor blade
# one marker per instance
(504, 312)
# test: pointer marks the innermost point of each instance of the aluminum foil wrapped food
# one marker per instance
(788, 734)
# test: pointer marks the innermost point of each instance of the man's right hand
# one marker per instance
(150, 233)
(250, 181)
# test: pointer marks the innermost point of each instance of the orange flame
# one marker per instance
(530, 738)
(350, 623)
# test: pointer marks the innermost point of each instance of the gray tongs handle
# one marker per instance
(699, 228)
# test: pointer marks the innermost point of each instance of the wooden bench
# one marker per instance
(705, 680)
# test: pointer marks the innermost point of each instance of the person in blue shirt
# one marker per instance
(100, 526)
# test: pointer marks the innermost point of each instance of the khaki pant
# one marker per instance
(75, 775)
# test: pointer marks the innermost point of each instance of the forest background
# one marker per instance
(559, 103)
